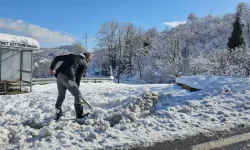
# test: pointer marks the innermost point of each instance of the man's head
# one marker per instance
(87, 56)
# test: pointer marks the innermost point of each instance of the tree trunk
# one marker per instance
(140, 71)
(248, 31)
(119, 67)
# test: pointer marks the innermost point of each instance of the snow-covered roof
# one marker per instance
(18, 41)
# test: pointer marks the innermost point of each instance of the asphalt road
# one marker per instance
(238, 146)
(190, 142)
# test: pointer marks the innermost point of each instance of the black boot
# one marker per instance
(58, 112)
(79, 112)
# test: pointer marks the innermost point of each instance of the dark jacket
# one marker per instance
(73, 66)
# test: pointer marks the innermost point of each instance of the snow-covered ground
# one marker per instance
(124, 115)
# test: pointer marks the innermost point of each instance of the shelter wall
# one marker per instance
(10, 65)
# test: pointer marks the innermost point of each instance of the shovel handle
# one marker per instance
(86, 103)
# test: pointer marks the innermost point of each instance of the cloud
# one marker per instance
(174, 23)
(42, 35)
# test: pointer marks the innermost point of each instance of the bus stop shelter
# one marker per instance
(16, 63)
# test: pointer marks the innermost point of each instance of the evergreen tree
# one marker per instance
(236, 39)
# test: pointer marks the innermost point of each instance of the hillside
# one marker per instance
(157, 55)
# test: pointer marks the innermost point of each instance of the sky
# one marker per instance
(61, 22)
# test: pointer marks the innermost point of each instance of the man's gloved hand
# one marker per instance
(53, 71)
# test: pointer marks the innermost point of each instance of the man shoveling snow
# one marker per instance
(68, 76)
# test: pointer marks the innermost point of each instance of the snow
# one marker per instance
(18, 41)
(206, 82)
(124, 115)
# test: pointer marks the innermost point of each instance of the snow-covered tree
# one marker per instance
(107, 41)
(244, 14)
(192, 18)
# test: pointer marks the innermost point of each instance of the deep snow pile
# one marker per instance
(123, 115)
(209, 81)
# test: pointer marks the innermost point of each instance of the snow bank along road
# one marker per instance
(123, 116)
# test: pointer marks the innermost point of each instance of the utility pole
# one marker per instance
(86, 38)
(175, 47)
